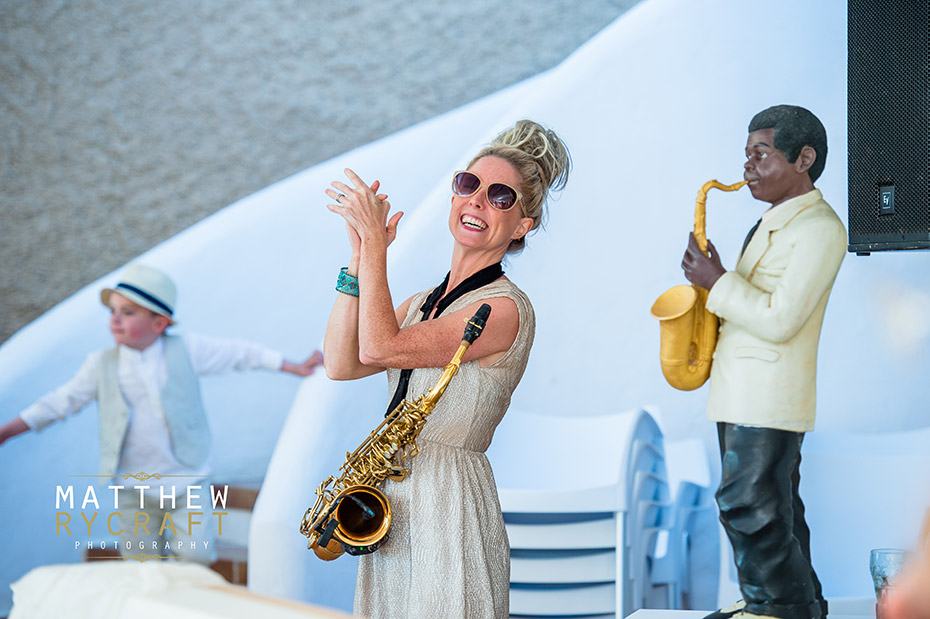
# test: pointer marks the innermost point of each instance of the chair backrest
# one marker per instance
(573, 453)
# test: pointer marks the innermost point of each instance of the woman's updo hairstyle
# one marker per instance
(541, 159)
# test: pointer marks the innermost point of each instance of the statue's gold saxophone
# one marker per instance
(687, 331)
(350, 513)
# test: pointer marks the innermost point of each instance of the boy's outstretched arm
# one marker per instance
(306, 368)
(14, 427)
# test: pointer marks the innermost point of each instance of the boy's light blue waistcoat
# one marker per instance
(180, 399)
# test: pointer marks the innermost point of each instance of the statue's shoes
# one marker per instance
(815, 610)
(746, 615)
(728, 612)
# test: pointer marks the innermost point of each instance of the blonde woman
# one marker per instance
(447, 553)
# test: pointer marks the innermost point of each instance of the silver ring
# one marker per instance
(340, 197)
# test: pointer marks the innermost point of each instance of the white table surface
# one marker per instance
(699, 614)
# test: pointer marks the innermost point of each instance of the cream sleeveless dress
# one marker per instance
(447, 554)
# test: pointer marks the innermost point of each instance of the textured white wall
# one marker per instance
(143, 118)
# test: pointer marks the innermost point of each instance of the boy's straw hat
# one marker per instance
(145, 286)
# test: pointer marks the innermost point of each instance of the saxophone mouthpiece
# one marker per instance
(476, 324)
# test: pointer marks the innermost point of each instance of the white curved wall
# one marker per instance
(651, 109)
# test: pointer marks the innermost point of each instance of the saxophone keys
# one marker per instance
(397, 473)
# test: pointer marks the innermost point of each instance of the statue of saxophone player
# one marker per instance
(762, 381)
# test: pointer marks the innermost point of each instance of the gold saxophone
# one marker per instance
(688, 332)
(350, 513)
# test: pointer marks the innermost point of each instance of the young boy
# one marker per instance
(762, 382)
(151, 415)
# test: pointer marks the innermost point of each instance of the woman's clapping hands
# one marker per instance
(365, 211)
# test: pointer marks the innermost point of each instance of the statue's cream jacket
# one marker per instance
(771, 309)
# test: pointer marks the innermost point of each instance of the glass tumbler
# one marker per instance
(885, 564)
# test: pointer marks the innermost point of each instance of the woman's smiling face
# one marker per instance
(475, 223)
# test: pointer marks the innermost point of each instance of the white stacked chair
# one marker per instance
(584, 499)
(685, 575)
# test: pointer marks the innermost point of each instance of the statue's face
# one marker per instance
(771, 178)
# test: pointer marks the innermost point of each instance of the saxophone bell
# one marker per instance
(358, 522)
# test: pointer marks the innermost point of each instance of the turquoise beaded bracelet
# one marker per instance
(347, 284)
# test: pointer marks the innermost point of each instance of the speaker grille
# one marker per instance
(889, 123)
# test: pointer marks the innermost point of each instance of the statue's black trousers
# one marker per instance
(763, 515)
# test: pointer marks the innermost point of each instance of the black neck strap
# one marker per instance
(439, 300)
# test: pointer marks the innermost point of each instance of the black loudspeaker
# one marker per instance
(889, 125)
